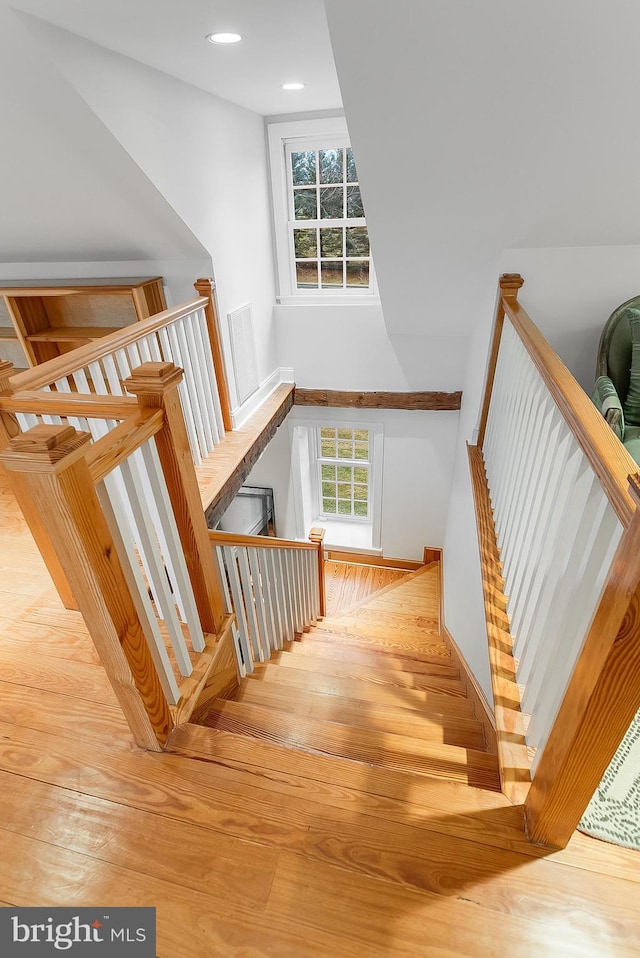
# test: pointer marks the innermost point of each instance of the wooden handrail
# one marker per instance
(90, 405)
(113, 449)
(48, 372)
(609, 459)
(217, 537)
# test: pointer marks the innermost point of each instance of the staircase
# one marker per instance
(375, 685)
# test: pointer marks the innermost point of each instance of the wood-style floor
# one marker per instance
(265, 851)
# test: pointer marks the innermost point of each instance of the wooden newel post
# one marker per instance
(207, 288)
(8, 423)
(156, 387)
(600, 702)
(46, 465)
(508, 285)
(317, 536)
(10, 429)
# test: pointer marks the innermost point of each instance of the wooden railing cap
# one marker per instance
(317, 534)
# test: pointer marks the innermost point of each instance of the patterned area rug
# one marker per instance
(613, 813)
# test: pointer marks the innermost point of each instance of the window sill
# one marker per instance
(333, 300)
(355, 536)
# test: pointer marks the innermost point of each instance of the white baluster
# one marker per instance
(111, 501)
(209, 371)
(155, 568)
(187, 388)
(262, 556)
(285, 589)
(592, 586)
(259, 599)
(169, 536)
(245, 661)
(271, 556)
(249, 603)
(171, 357)
(111, 372)
(201, 386)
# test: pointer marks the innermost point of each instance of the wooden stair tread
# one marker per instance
(436, 700)
(423, 647)
(244, 751)
(351, 654)
(446, 677)
(463, 730)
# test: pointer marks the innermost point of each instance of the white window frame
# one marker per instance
(330, 131)
(354, 463)
(306, 487)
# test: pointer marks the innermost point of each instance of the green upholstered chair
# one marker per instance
(617, 390)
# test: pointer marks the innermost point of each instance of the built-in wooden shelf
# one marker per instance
(49, 317)
(69, 334)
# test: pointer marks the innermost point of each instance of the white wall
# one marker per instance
(205, 155)
(484, 126)
(570, 293)
(349, 347)
(419, 450)
(69, 190)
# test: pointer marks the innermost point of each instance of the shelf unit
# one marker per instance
(42, 319)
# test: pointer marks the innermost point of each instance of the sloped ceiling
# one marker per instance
(283, 40)
(68, 190)
(484, 126)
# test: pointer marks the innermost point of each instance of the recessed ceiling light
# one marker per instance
(293, 86)
(224, 37)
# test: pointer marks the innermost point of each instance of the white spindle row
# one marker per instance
(274, 594)
(556, 530)
(185, 342)
(136, 501)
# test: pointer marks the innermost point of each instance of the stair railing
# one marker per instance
(117, 514)
(187, 336)
(559, 528)
(272, 587)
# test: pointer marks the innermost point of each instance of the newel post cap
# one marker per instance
(45, 449)
(153, 379)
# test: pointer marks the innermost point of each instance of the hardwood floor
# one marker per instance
(347, 583)
(258, 849)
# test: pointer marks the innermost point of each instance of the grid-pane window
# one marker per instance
(329, 238)
(344, 472)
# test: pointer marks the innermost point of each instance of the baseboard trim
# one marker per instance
(475, 694)
(367, 558)
(241, 414)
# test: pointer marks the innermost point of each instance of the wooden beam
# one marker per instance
(47, 466)
(434, 401)
(234, 458)
(513, 757)
(601, 700)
